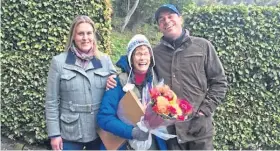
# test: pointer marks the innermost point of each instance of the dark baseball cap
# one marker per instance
(166, 7)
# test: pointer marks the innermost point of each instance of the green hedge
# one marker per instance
(32, 32)
(248, 43)
(246, 38)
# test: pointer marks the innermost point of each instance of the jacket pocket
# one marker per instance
(67, 81)
(182, 129)
(198, 126)
(193, 57)
(70, 127)
(100, 78)
(192, 61)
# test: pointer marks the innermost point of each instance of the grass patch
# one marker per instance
(119, 43)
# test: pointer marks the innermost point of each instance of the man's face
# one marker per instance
(170, 24)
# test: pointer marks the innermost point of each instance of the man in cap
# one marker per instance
(191, 67)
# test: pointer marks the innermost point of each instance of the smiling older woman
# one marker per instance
(137, 69)
(75, 86)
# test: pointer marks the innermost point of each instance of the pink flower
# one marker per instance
(181, 117)
(154, 92)
(172, 110)
(155, 108)
(162, 105)
(185, 106)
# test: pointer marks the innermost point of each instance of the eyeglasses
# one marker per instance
(139, 54)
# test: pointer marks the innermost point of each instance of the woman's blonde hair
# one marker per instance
(78, 20)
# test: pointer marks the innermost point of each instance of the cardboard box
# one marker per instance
(110, 141)
(132, 110)
(132, 107)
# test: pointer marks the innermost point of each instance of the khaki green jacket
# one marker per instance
(195, 73)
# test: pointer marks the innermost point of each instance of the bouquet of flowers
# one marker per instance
(166, 103)
(163, 109)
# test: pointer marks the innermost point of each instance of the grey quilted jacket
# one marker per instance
(73, 96)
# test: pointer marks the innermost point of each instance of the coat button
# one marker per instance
(174, 76)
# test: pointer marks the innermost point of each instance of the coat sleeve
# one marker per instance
(216, 80)
(107, 116)
(52, 99)
(112, 68)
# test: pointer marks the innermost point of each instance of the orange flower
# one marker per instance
(168, 94)
(163, 89)
(162, 105)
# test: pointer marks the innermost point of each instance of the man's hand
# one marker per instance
(56, 143)
(111, 82)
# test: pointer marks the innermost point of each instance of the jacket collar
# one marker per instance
(180, 38)
(122, 63)
(71, 60)
(185, 36)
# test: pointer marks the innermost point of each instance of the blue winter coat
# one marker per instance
(107, 116)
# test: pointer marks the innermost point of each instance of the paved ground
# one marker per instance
(8, 144)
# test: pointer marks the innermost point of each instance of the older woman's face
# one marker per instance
(141, 59)
(84, 37)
